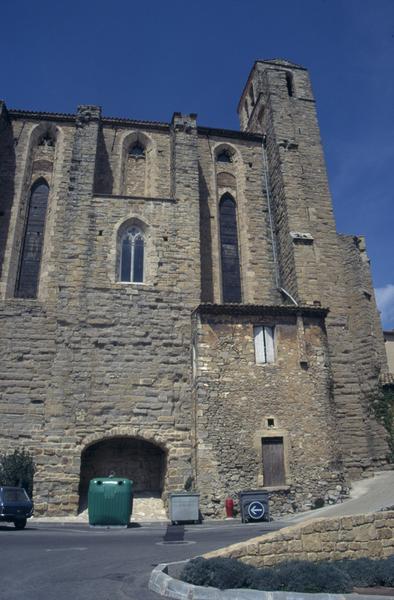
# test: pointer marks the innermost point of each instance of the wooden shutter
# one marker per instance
(273, 461)
(264, 344)
(269, 344)
(259, 346)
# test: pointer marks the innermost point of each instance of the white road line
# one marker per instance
(63, 549)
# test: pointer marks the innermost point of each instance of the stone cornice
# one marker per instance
(16, 114)
(261, 309)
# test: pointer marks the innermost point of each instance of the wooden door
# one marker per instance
(273, 461)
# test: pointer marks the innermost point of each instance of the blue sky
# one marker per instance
(147, 59)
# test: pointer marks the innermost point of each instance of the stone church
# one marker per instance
(177, 307)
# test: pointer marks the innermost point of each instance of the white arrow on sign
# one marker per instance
(256, 510)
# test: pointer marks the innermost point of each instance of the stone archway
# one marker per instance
(136, 459)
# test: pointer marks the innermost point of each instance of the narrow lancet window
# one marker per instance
(132, 256)
(289, 83)
(33, 240)
(136, 175)
(231, 276)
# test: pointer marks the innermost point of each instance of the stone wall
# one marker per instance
(358, 536)
(92, 358)
(363, 324)
(7, 178)
(239, 403)
(389, 345)
(243, 179)
(312, 263)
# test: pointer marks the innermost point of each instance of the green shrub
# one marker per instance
(296, 576)
(318, 503)
(383, 405)
(367, 572)
(293, 576)
(17, 469)
(222, 573)
(385, 570)
(303, 576)
(265, 579)
(362, 571)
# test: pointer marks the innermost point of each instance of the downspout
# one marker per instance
(286, 293)
(271, 224)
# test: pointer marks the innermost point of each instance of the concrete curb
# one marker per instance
(165, 585)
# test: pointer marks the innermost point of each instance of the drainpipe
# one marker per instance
(286, 293)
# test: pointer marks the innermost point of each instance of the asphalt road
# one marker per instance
(75, 562)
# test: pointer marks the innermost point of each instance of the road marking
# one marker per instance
(67, 530)
(64, 549)
(175, 542)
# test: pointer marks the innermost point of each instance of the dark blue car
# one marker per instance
(15, 506)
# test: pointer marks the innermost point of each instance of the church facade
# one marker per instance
(177, 307)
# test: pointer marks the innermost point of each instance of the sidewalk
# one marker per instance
(366, 495)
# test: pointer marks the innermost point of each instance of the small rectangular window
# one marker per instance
(264, 344)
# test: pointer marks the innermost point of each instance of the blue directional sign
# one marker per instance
(256, 510)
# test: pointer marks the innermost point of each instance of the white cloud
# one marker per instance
(385, 302)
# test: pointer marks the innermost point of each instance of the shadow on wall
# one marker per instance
(7, 177)
(206, 242)
(103, 178)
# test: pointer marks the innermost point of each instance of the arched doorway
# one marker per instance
(142, 462)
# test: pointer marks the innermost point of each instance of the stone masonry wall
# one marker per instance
(245, 183)
(311, 265)
(92, 359)
(235, 397)
(366, 331)
(358, 536)
(7, 178)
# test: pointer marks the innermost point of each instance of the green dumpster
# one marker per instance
(110, 501)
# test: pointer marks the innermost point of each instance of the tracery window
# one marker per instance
(33, 241)
(231, 275)
(132, 247)
(224, 156)
(137, 150)
(136, 170)
(46, 140)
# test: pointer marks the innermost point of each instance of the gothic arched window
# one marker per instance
(33, 240)
(137, 150)
(46, 140)
(136, 170)
(132, 255)
(224, 156)
(231, 276)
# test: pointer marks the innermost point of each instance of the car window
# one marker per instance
(16, 495)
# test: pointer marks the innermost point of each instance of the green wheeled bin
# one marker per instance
(110, 501)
